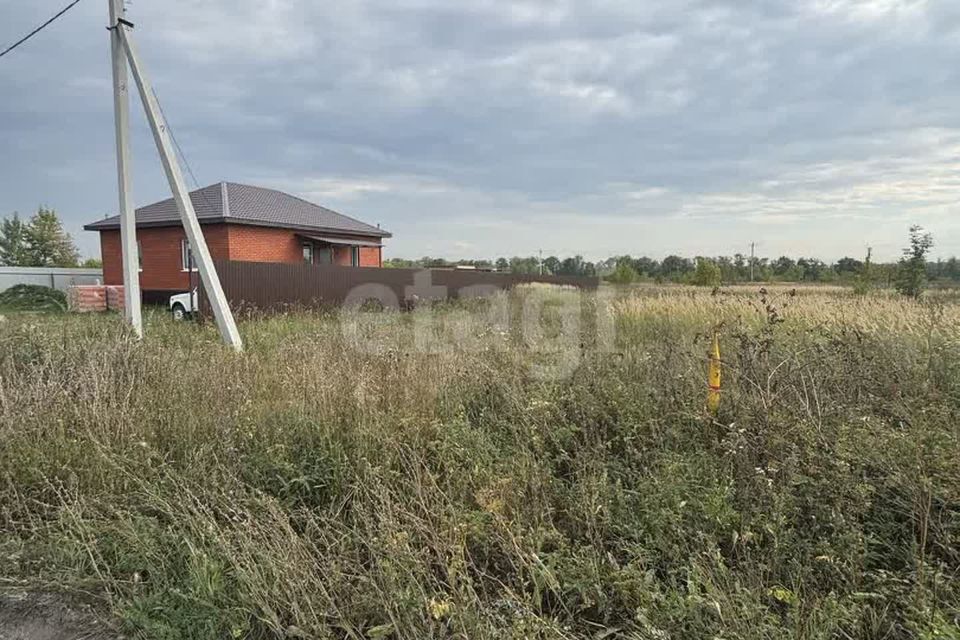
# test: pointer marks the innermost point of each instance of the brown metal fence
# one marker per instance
(273, 286)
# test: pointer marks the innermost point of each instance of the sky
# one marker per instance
(485, 128)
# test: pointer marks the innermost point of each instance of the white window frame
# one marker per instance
(304, 247)
(185, 257)
(354, 256)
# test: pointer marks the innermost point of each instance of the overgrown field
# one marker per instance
(374, 483)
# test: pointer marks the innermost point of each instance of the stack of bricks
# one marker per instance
(115, 298)
(87, 298)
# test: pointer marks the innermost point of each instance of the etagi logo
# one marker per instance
(553, 327)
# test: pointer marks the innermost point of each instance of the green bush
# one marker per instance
(707, 273)
(30, 297)
(623, 274)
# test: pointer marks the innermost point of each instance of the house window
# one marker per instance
(324, 255)
(187, 262)
(354, 256)
(139, 256)
(308, 253)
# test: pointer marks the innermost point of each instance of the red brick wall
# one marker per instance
(111, 255)
(370, 256)
(87, 298)
(263, 244)
(341, 256)
(160, 257)
(160, 252)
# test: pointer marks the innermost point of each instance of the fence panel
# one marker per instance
(56, 278)
(274, 286)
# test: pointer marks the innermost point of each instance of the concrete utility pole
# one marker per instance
(753, 246)
(541, 261)
(161, 135)
(128, 223)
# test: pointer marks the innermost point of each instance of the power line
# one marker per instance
(173, 136)
(39, 29)
(183, 156)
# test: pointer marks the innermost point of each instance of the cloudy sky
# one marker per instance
(480, 128)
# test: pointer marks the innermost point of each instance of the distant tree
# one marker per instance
(728, 270)
(529, 265)
(674, 267)
(912, 270)
(811, 269)
(624, 273)
(951, 269)
(47, 244)
(400, 263)
(862, 276)
(848, 266)
(864, 280)
(944, 270)
(13, 242)
(576, 266)
(764, 271)
(606, 267)
(551, 265)
(646, 267)
(479, 264)
(433, 263)
(707, 273)
(783, 266)
(740, 263)
(92, 263)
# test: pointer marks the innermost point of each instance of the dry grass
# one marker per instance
(362, 484)
(808, 306)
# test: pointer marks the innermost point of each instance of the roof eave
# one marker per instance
(373, 233)
(103, 226)
(112, 226)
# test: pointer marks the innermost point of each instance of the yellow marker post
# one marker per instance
(713, 376)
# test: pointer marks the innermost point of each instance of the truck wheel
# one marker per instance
(179, 313)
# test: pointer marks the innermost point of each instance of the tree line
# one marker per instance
(910, 274)
(40, 241)
(575, 266)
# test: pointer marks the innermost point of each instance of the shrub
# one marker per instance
(30, 297)
(623, 274)
(912, 270)
(707, 273)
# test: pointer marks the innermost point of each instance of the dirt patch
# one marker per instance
(46, 616)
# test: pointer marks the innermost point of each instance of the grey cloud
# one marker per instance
(552, 113)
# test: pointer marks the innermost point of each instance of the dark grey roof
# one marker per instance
(243, 204)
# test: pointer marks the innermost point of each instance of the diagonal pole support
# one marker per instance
(198, 244)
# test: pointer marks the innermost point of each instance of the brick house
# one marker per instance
(239, 222)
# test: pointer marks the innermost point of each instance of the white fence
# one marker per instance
(57, 278)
